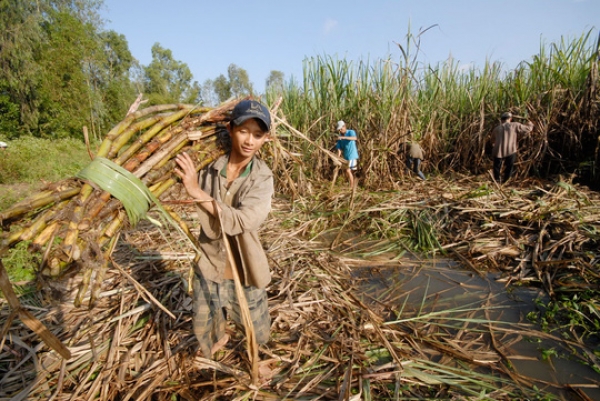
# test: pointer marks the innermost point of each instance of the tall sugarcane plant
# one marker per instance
(450, 108)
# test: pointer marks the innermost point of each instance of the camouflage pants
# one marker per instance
(213, 302)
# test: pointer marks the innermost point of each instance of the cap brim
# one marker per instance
(242, 119)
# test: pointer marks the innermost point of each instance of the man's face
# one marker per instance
(343, 130)
(247, 138)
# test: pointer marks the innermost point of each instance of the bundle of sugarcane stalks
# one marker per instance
(76, 222)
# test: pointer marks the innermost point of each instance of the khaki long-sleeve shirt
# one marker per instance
(505, 138)
(249, 207)
(415, 152)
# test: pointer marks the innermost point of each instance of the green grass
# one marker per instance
(29, 162)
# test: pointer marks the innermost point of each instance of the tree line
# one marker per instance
(61, 71)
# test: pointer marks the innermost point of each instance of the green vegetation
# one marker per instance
(32, 160)
(169, 81)
(573, 312)
(60, 70)
(21, 264)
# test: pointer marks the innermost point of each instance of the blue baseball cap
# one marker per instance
(247, 109)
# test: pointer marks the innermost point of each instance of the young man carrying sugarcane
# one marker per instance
(346, 147)
(234, 197)
(504, 152)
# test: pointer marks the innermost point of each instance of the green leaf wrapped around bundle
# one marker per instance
(130, 190)
(121, 184)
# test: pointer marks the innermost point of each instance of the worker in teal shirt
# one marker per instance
(346, 147)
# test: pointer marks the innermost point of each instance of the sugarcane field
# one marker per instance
(453, 287)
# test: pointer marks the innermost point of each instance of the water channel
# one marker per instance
(436, 290)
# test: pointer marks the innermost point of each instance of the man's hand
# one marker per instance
(188, 175)
(189, 178)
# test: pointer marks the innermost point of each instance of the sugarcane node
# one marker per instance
(84, 225)
(54, 267)
(75, 252)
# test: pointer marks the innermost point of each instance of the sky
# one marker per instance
(262, 36)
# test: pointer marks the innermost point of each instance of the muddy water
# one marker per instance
(419, 288)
